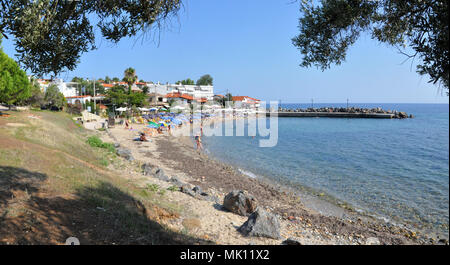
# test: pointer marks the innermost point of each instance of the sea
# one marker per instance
(393, 169)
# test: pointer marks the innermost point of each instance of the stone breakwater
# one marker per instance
(352, 112)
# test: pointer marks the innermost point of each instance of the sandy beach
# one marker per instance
(177, 156)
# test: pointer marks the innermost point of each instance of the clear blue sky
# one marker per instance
(246, 47)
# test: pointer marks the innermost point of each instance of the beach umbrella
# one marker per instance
(121, 109)
(176, 121)
(153, 126)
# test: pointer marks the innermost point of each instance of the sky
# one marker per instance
(246, 47)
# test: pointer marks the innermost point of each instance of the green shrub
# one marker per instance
(153, 187)
(173, 188)
(94, 141)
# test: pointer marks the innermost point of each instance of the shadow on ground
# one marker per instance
(102, 214)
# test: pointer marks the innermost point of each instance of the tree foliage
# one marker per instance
(205, 80)
(129, 77)
(14, 85)
(54, 98)
(327, 31)
(37, 96)
(51, 35)
(187, 81)
(119, 97)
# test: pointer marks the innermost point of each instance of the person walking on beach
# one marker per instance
(126, 124)
(198, 140)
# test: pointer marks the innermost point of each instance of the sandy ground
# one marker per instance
(209, 220)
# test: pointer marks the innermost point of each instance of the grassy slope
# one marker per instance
(54, 185)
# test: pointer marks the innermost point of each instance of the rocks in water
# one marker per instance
(402, 115)
(125, 153)
(240, 202)
(411, 116)
(292, 241)
(372, 241)
(262, 224)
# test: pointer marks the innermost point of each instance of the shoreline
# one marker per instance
(335, 226)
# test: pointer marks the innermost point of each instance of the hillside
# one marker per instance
(53, 185)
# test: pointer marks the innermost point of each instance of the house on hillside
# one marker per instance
(245, 102)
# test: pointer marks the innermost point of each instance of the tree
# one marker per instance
(186, 82)
(54, 98)
(228, 97)
(107, 80)
(51, 35)
(37, 96)
(327, 30)
(130, 77)
(137, 99)
(115, 79)
(14, 85)
(145, 90)
(117, 96)
(205, 80)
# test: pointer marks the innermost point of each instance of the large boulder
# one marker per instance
(147, 169)
(403, 115)
(240, 202)
(159, 173)
(261, 224)
(176, 181)
(125, 153)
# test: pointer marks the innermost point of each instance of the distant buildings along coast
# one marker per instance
(159, 94)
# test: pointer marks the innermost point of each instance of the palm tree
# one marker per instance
(130, 77)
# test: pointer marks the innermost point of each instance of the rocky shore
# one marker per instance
(396, 114)
(231, 208)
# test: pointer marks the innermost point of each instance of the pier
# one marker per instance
(334, 115)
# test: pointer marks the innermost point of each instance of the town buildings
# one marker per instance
(159, 94)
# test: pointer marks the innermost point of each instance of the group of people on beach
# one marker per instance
(143, 135)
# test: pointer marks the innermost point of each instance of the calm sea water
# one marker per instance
(395, 169)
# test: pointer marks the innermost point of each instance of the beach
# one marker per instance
(178, 158)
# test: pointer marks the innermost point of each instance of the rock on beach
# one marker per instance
(240, 202)
(261, 224)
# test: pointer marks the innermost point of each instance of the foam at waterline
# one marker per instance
(248, 173)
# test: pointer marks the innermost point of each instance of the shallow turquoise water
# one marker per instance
(395, 169)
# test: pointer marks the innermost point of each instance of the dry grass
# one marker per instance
(54, 185)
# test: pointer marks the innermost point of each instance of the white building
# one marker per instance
(206, 92)
(69, 89)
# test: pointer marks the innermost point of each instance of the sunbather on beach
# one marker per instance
(143, 138)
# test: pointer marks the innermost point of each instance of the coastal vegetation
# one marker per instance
(328, 29)
(205, 80)
(14, 85)
(50, 36)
